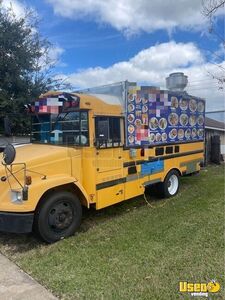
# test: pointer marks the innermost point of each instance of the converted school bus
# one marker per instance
(97, 148)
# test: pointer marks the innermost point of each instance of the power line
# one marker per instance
(213, 53)
(201, 80)
(222, 68)
(207, 88)
(204, 85)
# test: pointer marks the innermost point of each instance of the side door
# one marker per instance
(109, 160)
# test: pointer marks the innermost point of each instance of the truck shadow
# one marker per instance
(92, 217)
(12, 244)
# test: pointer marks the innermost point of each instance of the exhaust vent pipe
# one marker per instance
(176, 81)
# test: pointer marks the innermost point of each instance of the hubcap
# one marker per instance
(60, 216)
(173, 184)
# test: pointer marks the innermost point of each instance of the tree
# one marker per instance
(26, 69)
(211, 6)
(210, 10)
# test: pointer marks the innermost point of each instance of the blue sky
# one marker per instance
(98, 42)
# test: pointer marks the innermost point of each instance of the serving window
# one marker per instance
(108, 132)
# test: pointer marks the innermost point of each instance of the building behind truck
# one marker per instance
(99, 147)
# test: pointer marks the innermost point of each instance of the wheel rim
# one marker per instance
(173, 184)
(60, 216)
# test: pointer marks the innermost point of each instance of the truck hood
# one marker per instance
(46, 159)
(34, 153)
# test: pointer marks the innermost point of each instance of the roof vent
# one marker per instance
(176, 81)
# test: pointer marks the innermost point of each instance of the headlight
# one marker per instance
(16, 197)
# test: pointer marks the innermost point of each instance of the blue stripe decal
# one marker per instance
(148, 168)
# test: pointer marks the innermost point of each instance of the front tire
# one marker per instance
(58, 216)
(170, 186)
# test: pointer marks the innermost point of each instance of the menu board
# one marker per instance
(155, 116)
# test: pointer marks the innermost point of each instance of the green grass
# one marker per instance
(133, 250)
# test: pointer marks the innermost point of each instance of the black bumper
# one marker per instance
(16, 222)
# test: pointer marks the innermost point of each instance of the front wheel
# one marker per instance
(170, 186)
(58, 216)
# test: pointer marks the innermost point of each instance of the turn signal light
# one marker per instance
(28, 180)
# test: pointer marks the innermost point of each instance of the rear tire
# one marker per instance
(171, 184)
(58, 216)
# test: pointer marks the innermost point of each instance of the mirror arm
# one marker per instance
(7, 169)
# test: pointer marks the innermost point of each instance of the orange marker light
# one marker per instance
(28, 180)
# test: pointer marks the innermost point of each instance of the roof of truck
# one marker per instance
(101, 104)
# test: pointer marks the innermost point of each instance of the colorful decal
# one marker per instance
(55, 104)
(154, 116)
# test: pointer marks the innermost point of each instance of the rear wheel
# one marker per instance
(170, 186)
(58, 216)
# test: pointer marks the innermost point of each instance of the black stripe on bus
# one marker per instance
(151, 159)
(107, 184)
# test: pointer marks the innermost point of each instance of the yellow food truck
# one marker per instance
(95, 148)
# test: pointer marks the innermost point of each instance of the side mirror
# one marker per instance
(9, 154)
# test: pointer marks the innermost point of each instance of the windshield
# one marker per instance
(69, 128)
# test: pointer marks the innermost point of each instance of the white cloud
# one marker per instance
(51, 57)
(152, 65)
(203, 85)
(132, 16)
(147, 65)
(18, 9)
(219, 54)
(55, 53)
